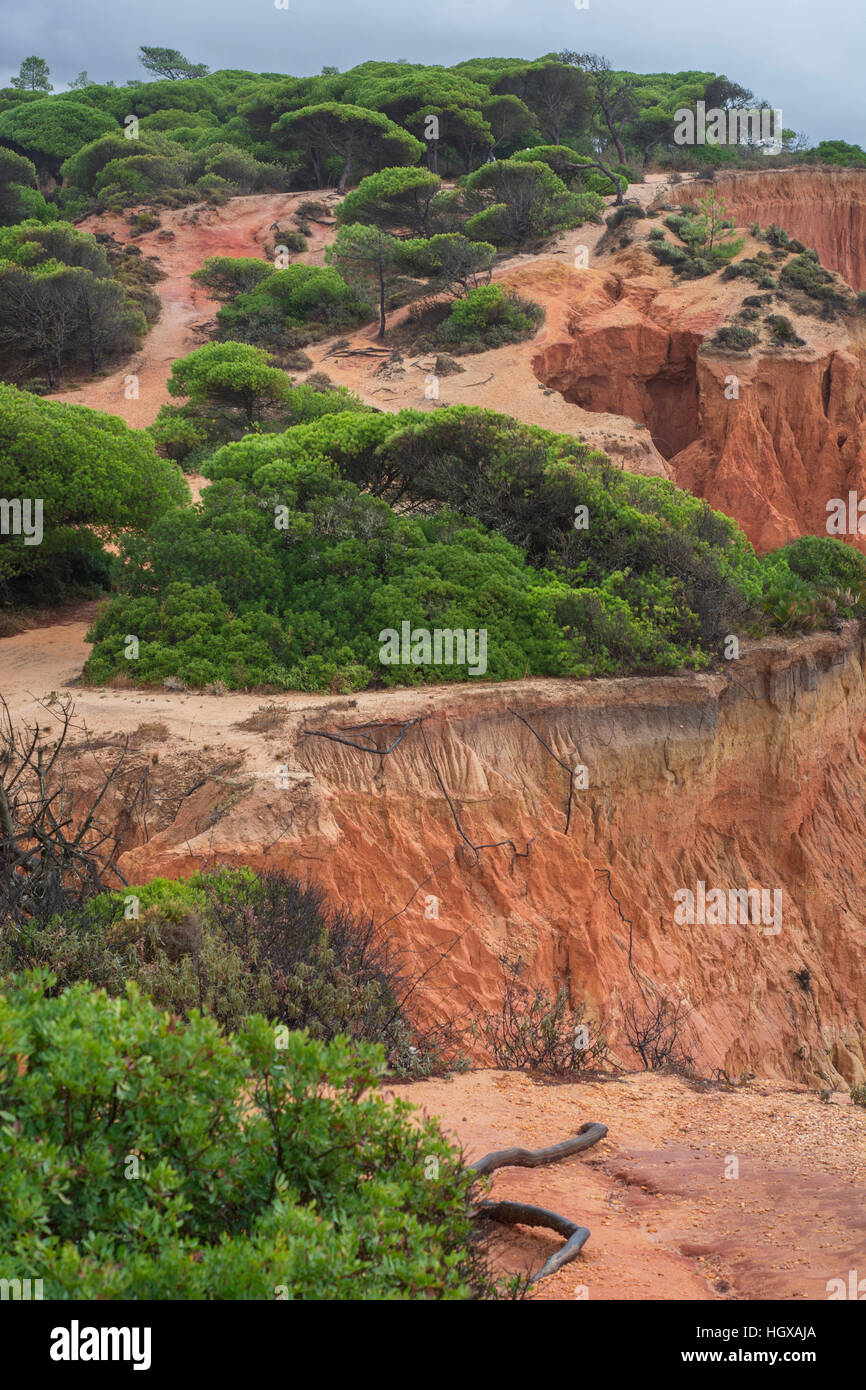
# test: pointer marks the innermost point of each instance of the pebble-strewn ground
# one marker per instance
(666, 1222)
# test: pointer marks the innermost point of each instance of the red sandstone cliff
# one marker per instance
(768, 436)
(823, 207)
(753, 779)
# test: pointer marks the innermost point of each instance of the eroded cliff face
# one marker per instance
(768, 436)
(825, 208)
(793, 439)
(749, 778)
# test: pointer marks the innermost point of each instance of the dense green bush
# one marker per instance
(667, 253)
(289, 572)
(235, 943)
(809, 282)
(734, 337)
(93, 475)
(579, 174)
(814, 582)
(485, 317)
(783, 331)
(145, 1158)
(232, 389)
(520, 203)
(19, 196)
(628, 212)
(758, 268)
(825, 562)
(227, 596)
(51, 129)
(166, 163)
(292, 307)
(228, 276)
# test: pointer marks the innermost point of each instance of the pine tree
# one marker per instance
(33, 76)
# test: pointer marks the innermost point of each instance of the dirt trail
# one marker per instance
(501, 379)
(48, 660)
(240, 228)
(666, 1221)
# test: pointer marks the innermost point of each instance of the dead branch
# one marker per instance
(523, 1214)
(50, 856)
(586, 1136)
(363, 352)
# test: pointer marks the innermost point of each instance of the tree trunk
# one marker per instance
(344, 177)
(381, 332)
(614, 178)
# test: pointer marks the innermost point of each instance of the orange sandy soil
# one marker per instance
(666, 1223)
(240, 228)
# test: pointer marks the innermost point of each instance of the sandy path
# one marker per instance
(240, 228)
(48, 660)
(503, 379)
(499, 380)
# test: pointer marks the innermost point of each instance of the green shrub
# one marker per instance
(235, 943)
(734, 337)
(805, 273)
(626, 212)
(521, 203)
(778, 237)
(313, 541)
(93, 475)
(227, 276)
(142, 222)
(783, 331)
(827, 564)
(145, 1158)
(667, 253)
(487, 317)
(290, 307)
(293, 241)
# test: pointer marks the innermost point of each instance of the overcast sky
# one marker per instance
(805, 56)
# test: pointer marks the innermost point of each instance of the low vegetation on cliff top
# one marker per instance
(311, 542)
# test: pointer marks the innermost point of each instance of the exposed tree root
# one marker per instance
(522, 1213)
(586, 1136)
